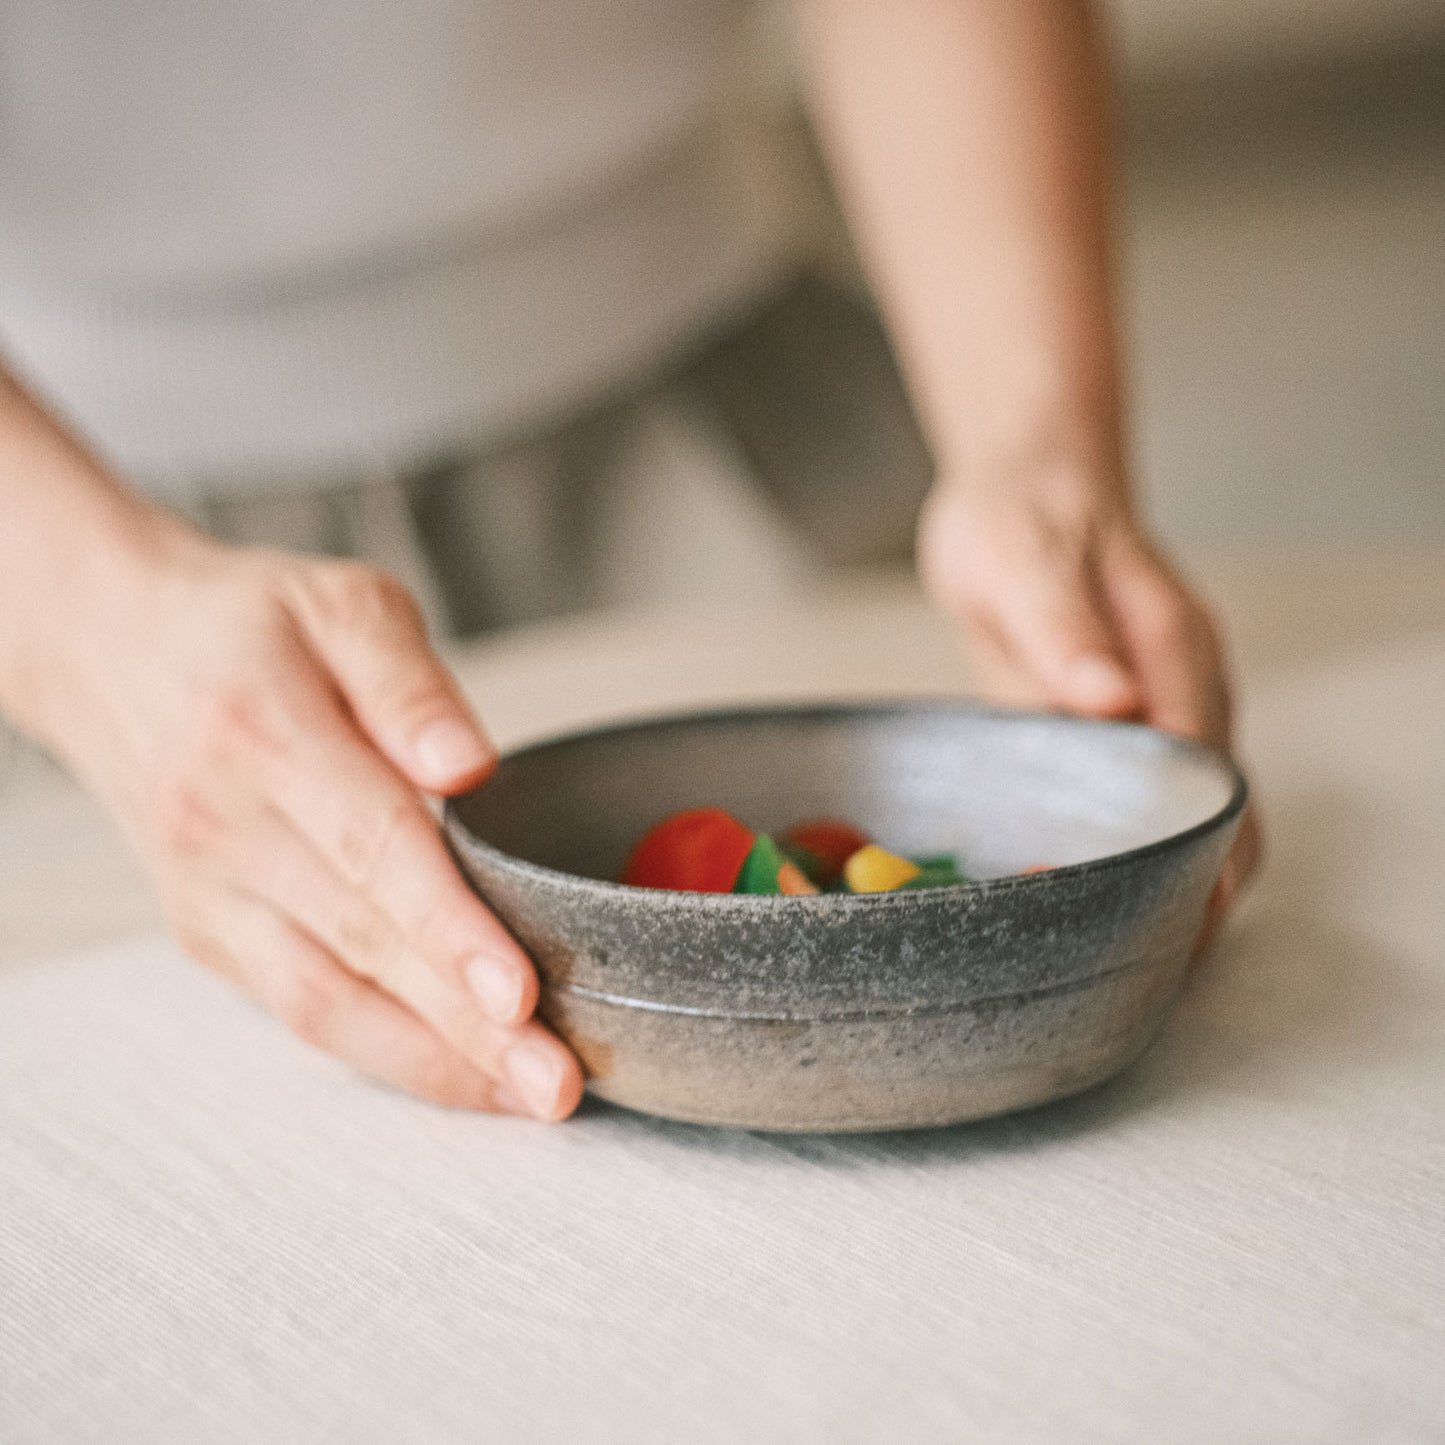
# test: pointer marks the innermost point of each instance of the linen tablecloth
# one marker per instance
(210, 1233)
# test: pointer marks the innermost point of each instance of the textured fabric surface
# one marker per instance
(208, 1232)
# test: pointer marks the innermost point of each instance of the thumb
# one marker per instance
(368, 630)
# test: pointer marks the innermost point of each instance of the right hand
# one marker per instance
(1066, 603)
(264, 727)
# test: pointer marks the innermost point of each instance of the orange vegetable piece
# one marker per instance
(697, 851)
(830, 841)
(1037, 868)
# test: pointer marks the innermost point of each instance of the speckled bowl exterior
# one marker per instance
(847, 1013)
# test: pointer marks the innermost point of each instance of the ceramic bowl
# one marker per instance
(882, 1011)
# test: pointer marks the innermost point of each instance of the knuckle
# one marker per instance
(224, 726)
(365, 598)
(236, 720)
(346, 596)
(445, 926)
(250, 612)
(437, 1077)
(306, 998)
(412, 696)
(186, 824)
(477, 1038)
(367, 837)
(365, 940)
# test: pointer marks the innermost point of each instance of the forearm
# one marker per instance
(67, 528)
(969, 142)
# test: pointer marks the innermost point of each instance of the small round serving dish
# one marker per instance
(840, 1012)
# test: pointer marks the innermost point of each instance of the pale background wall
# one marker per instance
(1195, 32)
(1285, 245)
(1287, 258)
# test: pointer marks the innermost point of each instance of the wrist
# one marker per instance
(81, 550)
(1066, 489)
(1036, 446)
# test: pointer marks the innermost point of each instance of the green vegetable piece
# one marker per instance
(937, 870)
(931, 861)
(807, 863)
(759, 873)
(931, 878)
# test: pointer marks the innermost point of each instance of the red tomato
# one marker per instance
(830, 841)
(699, 851)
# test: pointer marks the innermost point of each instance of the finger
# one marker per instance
(1174, 648)
(1051, 619)
(1243, 860)
(380, 839)
(1022, 585)
(1214, 912)
(998, 674)
(1239, 868)
(296, 979)
(370, 633)
(284, 871)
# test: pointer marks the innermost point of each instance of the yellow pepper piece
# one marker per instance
(875, 870)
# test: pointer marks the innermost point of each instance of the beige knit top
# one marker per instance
(308, 237)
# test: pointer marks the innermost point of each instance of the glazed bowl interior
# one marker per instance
(1004, 790)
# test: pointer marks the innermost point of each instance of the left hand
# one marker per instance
(1066, 603)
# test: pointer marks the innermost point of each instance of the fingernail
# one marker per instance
(448, 749)
(498, 987)
(536, 1075)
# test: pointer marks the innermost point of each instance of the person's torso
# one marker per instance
(160, 143)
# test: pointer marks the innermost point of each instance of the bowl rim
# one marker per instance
(457, 832)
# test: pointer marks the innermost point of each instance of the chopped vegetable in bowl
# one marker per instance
(707, 850)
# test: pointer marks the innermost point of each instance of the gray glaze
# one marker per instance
(844, 1013)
